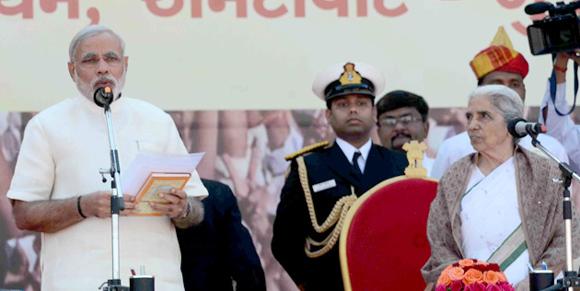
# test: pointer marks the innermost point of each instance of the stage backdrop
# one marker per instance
(258, 54)
(236, 77)
(244, 149)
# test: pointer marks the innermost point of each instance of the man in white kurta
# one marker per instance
(62, 151)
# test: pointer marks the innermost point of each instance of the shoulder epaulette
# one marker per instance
(307, 149)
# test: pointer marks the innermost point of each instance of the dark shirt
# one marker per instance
(220, 249)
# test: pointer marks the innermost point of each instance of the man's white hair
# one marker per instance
(90, 31)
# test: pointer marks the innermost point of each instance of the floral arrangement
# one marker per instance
(472, 275)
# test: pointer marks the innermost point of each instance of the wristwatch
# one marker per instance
(187, 210)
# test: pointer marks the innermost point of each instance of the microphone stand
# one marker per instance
(117, 204)
(571, 279)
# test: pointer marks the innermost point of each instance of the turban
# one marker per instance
(499, 57)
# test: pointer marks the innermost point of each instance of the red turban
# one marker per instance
(498, 58)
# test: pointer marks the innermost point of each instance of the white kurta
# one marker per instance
(459, 146)
(63, 149)
(562, 127)
(428, 164)
(489, 214)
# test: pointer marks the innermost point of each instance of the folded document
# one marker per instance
(151, 174)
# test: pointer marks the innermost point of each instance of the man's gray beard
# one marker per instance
(87, 89)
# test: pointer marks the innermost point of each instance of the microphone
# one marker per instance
(519, 127)
(538, 8)
(103, 96)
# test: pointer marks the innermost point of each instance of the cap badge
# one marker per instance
(350, 75)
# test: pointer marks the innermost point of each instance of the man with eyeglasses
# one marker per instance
(325, 179)
(402, 117)
(57, 189)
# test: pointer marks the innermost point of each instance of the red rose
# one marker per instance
(475, 287)
(505, 286)
(456, 285)
(492, 287)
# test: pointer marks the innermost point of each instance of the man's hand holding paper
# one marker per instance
(172, 204)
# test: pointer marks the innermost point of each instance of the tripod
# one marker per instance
(570, 279)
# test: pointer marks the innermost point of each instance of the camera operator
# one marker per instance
(561, 127)
(558, 33)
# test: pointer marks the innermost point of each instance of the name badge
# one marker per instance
(324, 185)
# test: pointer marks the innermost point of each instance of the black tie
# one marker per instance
(355, 163)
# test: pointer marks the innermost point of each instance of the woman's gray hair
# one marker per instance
(507, 101)
(90, 31)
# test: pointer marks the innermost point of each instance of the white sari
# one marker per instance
(490, 219)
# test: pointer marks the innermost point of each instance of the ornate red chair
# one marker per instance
(383, 243)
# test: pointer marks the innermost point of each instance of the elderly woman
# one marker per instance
(501, 203)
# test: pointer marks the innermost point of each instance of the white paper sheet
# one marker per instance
(145, 163)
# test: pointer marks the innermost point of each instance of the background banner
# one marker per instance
(258, 54)
(236, 77)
